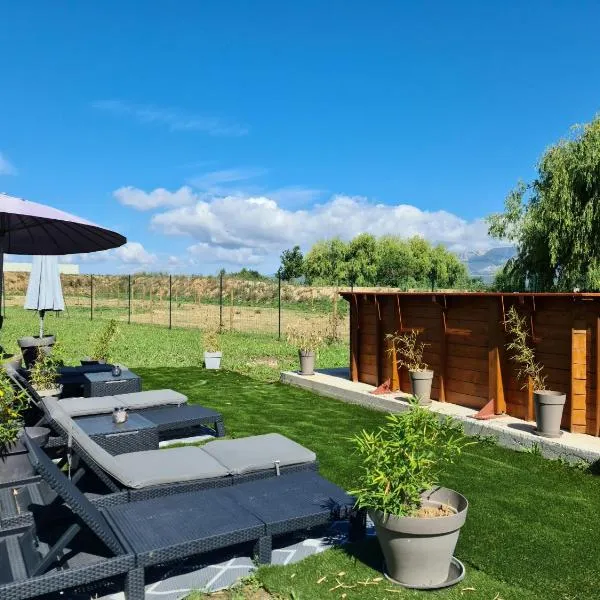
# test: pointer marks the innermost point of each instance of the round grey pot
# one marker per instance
(421, 385)
(29, 347)
(212, 360)
(418, 551)
(307, 362)
(548, 412)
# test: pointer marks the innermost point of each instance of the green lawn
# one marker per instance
(531, 533)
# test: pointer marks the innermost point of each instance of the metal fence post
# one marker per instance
(129, 298)
(170, 301)
(91, 297)
(221, 300)
(279, 304)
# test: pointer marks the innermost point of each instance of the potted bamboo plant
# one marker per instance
(409, 354)
(102, 349)
(44, 374)
(417, 522)
(549, 404)
(14, 462)
(308, 342)
(212, 349)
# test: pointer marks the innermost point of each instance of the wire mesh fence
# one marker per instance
(225, 303)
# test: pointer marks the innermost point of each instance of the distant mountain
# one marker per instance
(485, 264)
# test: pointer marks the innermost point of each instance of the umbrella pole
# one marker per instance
(42, 314)
(1, 283)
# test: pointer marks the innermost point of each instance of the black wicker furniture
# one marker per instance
(182, 526)
(105, 384)
(185, 421)
(134, 435)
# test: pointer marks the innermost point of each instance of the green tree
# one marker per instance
(326, 263)
(361, 258)
(555, 220)
(292, 263)
(396, 262)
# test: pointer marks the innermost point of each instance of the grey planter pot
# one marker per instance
(548, 412)
(212, 360)
(418, 552)
(307, 362)
(421, 385)
(49, 392)
(29, 347)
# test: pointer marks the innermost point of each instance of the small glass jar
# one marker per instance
(119, 414)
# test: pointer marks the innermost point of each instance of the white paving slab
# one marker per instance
(508, 431)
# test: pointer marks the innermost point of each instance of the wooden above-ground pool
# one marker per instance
(466, 347)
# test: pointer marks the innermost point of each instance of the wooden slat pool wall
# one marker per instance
(466, 348)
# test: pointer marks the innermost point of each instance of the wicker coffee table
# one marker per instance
(186, 420)
(135, 435)
(106, 384)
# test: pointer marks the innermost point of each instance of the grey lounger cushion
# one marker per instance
(141, 469)
(155, 467)
(81, 407)
(258, 453)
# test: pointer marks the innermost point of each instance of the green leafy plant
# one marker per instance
(307, 339)
(12, 404)
(405, 458)
(409, 351)
(522, 352)
(44, 372)
(212, 341)
(104, 341)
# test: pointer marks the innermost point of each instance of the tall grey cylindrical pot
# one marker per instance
(418, 551)
(548, 412)
(421, 385)
(307, 362)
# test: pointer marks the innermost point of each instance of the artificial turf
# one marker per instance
(531, 532)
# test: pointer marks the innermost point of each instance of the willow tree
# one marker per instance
(554, 221)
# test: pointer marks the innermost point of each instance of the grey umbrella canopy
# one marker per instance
(31, 228)
(44, 291)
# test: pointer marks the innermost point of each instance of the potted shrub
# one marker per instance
(44, 375)
(307, 341)
(417, 522)
(409, 354)
(549, 404)
(212, 350)
(14, 463)
(101, 352)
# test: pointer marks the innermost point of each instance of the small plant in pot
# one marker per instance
(409, 354)
(308, 341)
(212, 349)
(12, 405)
(104, 341)
(44, 374)
(417, 521)
(549, 404)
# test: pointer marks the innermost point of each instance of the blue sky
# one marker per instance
(218, 133)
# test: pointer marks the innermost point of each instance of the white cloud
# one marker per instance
(130, 196)
(173, 118)
(6, 167)
(235, 256)
(255, 229)
(131, 253)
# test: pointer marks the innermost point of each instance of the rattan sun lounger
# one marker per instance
(156, 473)
(181, 526)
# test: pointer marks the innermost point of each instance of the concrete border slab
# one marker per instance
(507, 431)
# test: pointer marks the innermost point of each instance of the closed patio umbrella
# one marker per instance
(44, 291)
(31, 228)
